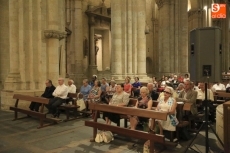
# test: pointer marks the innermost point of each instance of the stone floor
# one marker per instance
(22, 136)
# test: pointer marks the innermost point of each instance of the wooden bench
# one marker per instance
(70, 107)
(41, 115)
(224, 95)
(132, 103)
(124, 131)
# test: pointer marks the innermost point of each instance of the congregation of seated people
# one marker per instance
(167, 91)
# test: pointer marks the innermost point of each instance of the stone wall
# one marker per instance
(4, 41)
(32, 46)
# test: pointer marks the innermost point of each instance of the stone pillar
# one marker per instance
(53, 34)
(129, 37)
(92, 59)
(183, 34)
(116, 30)
(12, 81)
(164, 35)
(225, 41)
(134, 37)
(141, 38)
(173, 36)
(78, 32)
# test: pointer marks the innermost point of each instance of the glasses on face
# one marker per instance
(167, 92)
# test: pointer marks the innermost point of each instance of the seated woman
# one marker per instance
(111, 90)
(144, 102)
(167, 104)
(95, 92)
(85, 89)
(136, 87)
(120, 98)
(127, 86)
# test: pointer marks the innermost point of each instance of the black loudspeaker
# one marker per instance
(205, 54)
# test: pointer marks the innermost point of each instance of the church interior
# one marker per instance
(159, 43)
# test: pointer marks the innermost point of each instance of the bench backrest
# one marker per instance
(132, 102)
(72, 95)
(144, 84)
(223, 94)
(155, 103)
(128, 111)
(31, 98)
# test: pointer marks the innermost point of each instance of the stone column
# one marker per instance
(225, 41)
(53, 35)
(12, 81)
(78, 32)
(129, 37)
(134, 37)
(141, 38)
(92, 59)
(182, 36)
(116, 38)
(164, 35)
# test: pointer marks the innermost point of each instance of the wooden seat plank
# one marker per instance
(129, 111)
(31, 98)
(127, 132)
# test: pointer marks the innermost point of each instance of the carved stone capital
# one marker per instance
(161, 3)
(197, 13)
(54, 34)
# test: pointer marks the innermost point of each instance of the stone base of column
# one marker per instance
(92, 70)
(143, 78)
(7, 98)
(12, 81)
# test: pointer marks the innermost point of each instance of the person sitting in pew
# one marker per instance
(188, 95)
(47, 94)
(201, 92)
(218, 86)
(136, 87)
(127, 86)
(60, 95)
(111, 91)
(85, 89)
(210, 97)
(174, 94)
(120, 98)
(71, 87)
(144, 102)
(95, 92)
(152, 93)
(167, 104)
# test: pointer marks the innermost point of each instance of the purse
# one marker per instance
(107, 136)
(104, 136)
(146, 147)
(99, 137)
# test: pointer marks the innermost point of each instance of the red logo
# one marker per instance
(218, 10)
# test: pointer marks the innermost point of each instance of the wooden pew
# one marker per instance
(41, 115)
(132, 103)
(68, 108)
(223, 95)
(123, 131)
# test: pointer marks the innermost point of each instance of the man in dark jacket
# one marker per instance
(47, 94)
(152, 93)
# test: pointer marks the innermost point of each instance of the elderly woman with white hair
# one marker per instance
(144, 102)
(167, 104)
